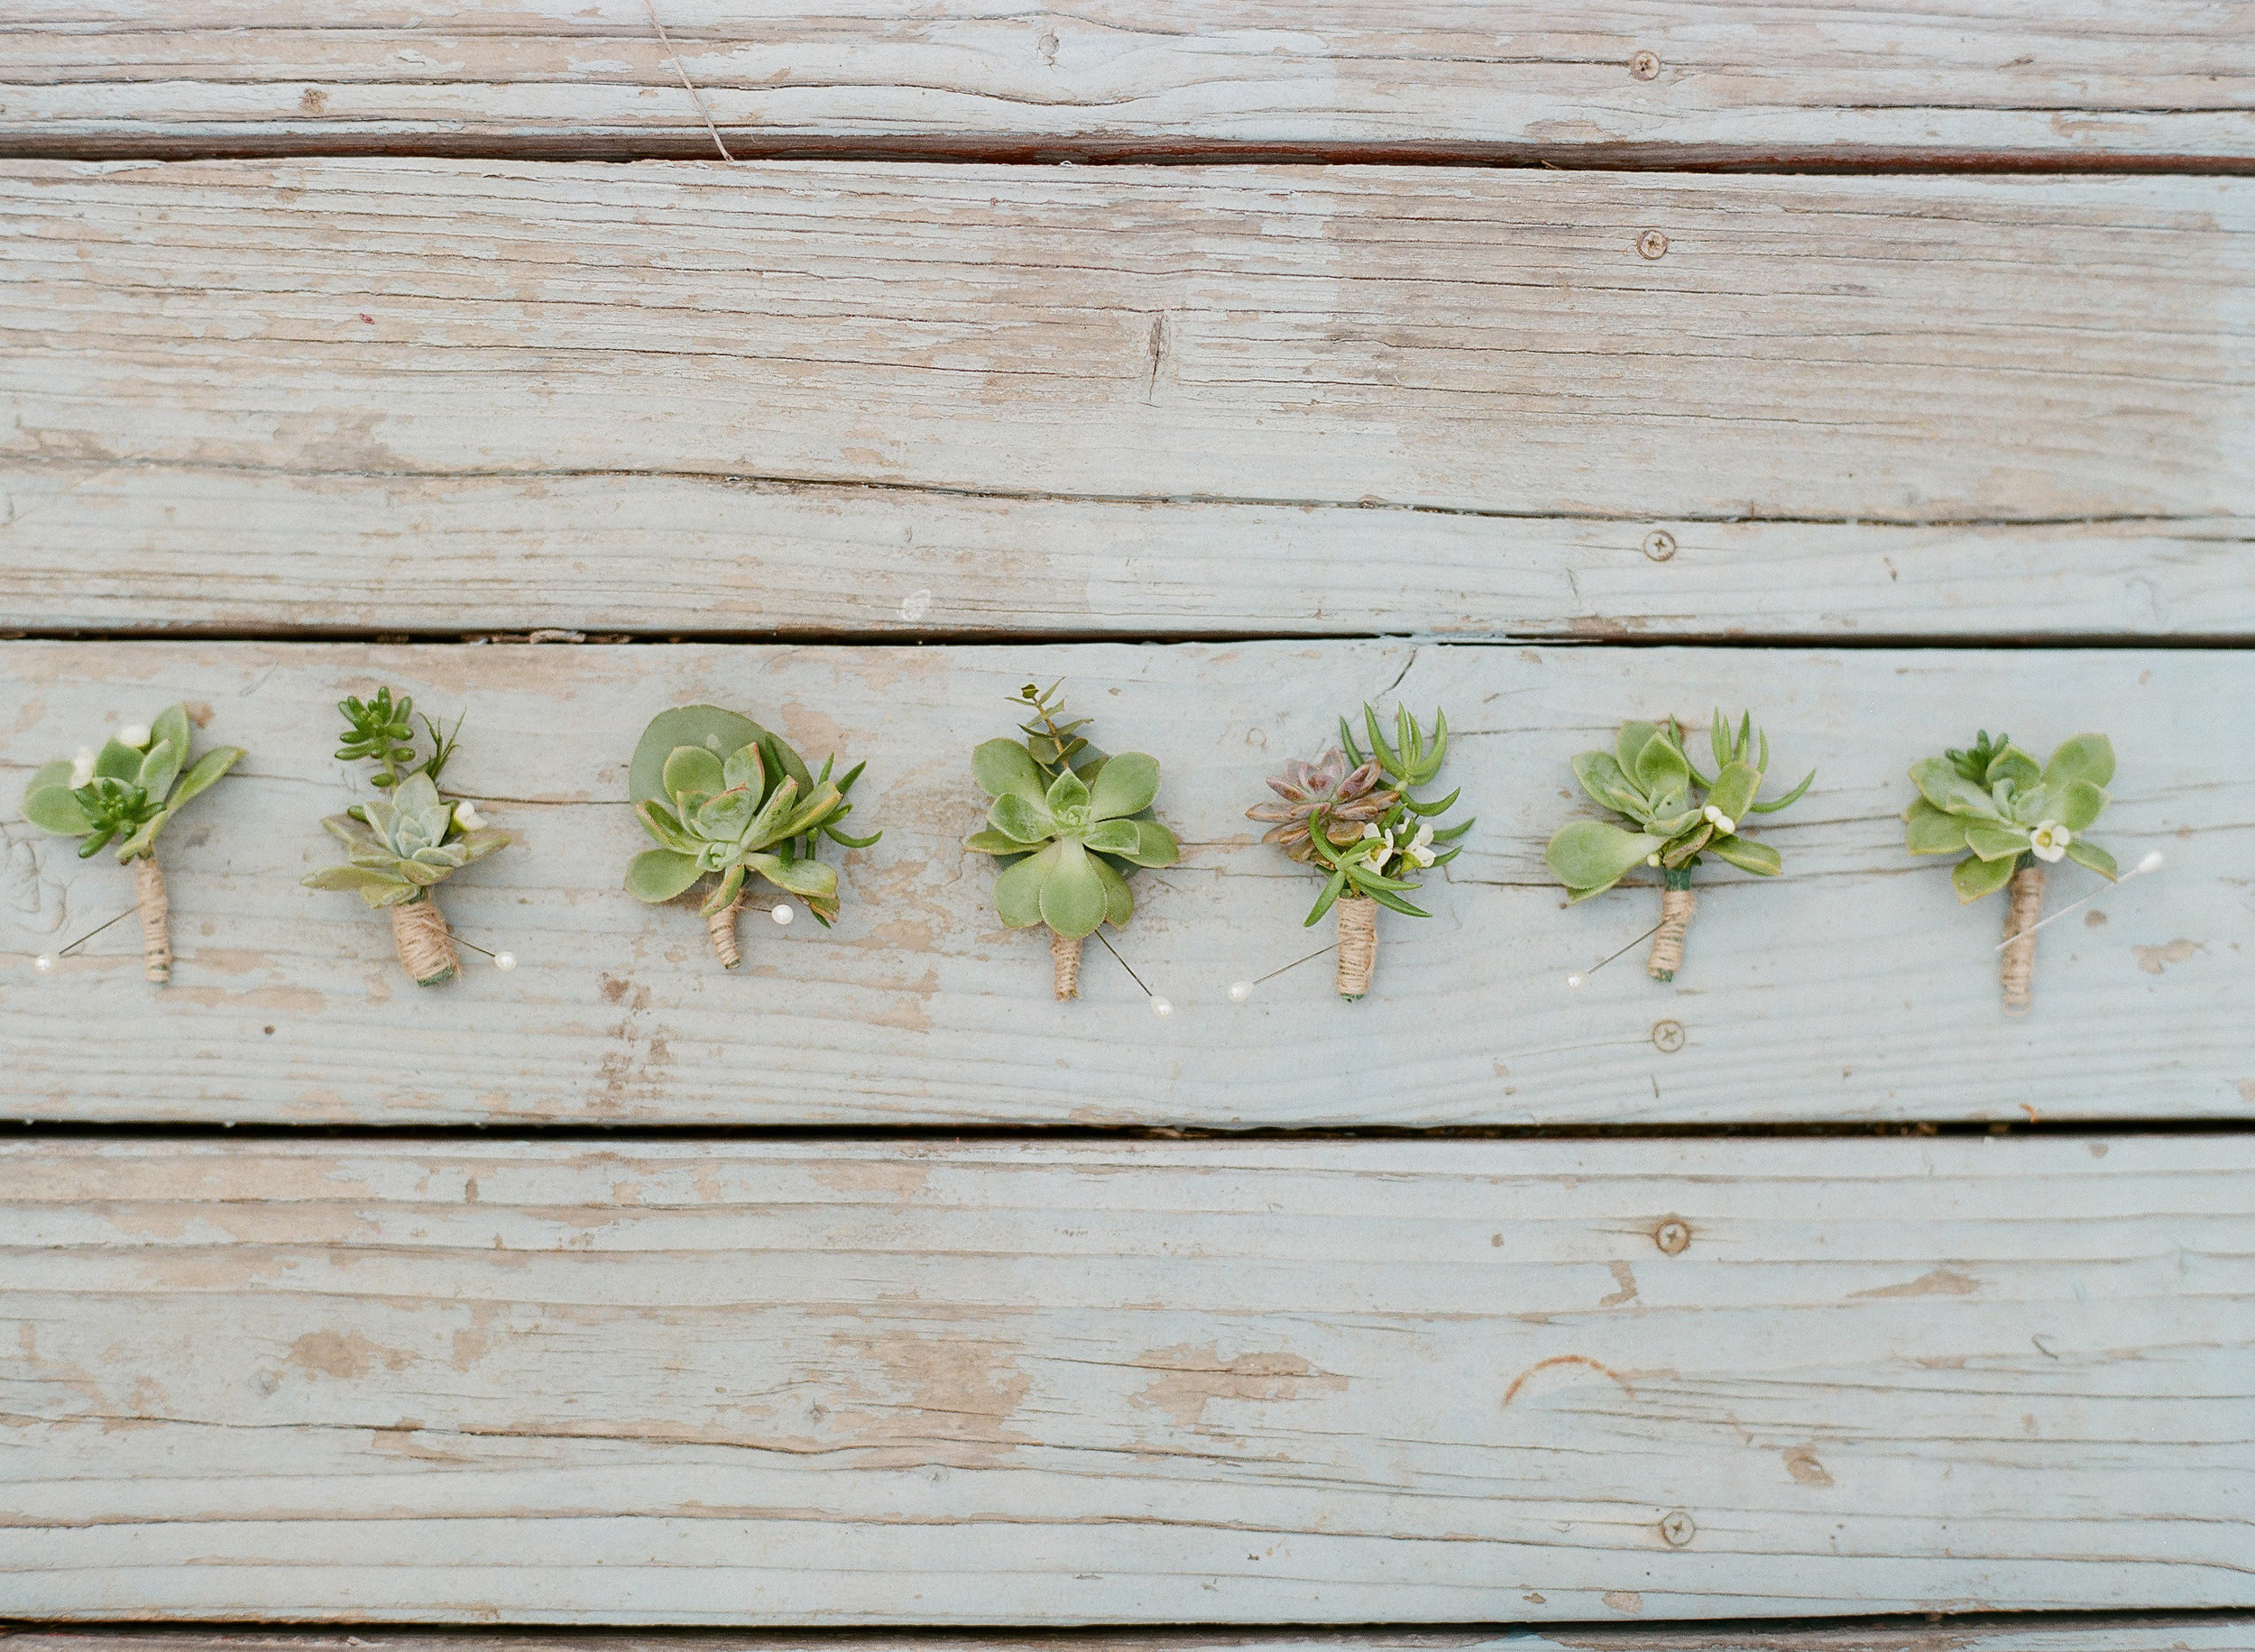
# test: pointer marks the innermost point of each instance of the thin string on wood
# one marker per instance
(1357, 943)
(418, 934)
(688, 84)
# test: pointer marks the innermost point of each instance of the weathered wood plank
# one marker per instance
(1854, 988)
(1176, 1381)
(796, 399)
(1992, 1632)
(2165, 81)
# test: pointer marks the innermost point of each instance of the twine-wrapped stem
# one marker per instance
(156, 920)
(1064, 963)
(2019, 968)
(419, 936)
(1676, 906)
(721, 928)
(1357, 943)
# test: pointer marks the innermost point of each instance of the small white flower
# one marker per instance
(467, 818)
(135, 734)
(82, 768)
(1652, 860)
(1419, 848)
(1723, 825)
(1378, 857)
(2050, 840)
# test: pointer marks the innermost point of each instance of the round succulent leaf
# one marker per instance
(661, 822)
(51, 807)
(2086, 756)
(1115, 837)
(993, 842)
(1996, 843)
(722, 897)
(1940, 784)
(1629, 742)
(1590, 856)
(1927, 830)
(477, 845)
(724, 816)
(742, 767)
(1005, 768)
(1126, 785)
(810, 879)
(206, 772)
(1973, 877)
(1072, 894)
(1067, 791)
(2087, 854)
(375, 887)
(1156, 846)
(1120, 900)
(171, 724)
(1602, 778)
(1017, 891)
(707, 727)
(160, 766)
(2080, 803)
(1747, 855)
(1015, 818)
(2016, 765)
(1660, 768)
(691, 771)
(117, 761)
(1734, 790)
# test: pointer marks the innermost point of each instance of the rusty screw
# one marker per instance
(1651, 244)
(1671, 1236)
(1659, 545)
(1667, 1036)
(1645, 65)
(1676, 1528)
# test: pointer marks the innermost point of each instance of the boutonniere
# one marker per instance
(724, 798)
(124, 793)
(1678, 815)
(2016, 818)
(1352, 818)
(1069, 824)
(406, 841)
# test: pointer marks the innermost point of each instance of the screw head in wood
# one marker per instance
(1645, 65)
(1667, 1036)
(1659, 545)
(1651, 244)
(1671, 1236)
(1676, 1528)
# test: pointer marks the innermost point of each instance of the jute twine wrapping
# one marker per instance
(156, 920)
(1064, 957)
(721, 927)
(418, 933)
(1676, 907)
(1357, 943)
(2020, 919)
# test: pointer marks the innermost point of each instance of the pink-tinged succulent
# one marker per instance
(1346, 799)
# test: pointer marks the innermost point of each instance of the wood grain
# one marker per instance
(2164, 82)
(1992, 1632)
(1854, 987)
(808, 400)
(813, 1383)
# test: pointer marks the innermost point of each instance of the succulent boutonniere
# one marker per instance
(1352, 818)
(124, 793)
(1069, 823)
(1649, 780)
(2016, 818)
(409, 839)
(725, 798)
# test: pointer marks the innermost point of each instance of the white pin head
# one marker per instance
(2152, 862)
(1161, 1007)
(45, 963)
(504, 960)
(1576, 979)
(1240, 991)
(784, 911)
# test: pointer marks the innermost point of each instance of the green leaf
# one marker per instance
(810, 814)
(1125, 786)
(2086, 756)
(171, 724)
(1015, 818)
(49, 804)
(1973, 877)
(658, 820)
(1747, 855)
(1940, 784)
(693, 771)
(809, 879)
(144, 842)
(116, 761)
(1067, 791)
(205, 772)
(994, 843)
(1120, 901)
(724, 818)
(377, 888)
(1114, 836)
(1930, 831)
(1018, 891)
(1602, 778)
(1072, 895)
(659, 875)
(1660, 768)
(706, 727)
(2081, 802)
(742, 767)
(1630, 740)
(2014, 764)
(725, 893)
(160, 766)
(477, 845)
(1789, 799)
(2084, 854)
(1594, 855)
(1733, 788)
(1007, 769)
(784, 761)
(1331, 889)
(1993, 843)
(1154, 846)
